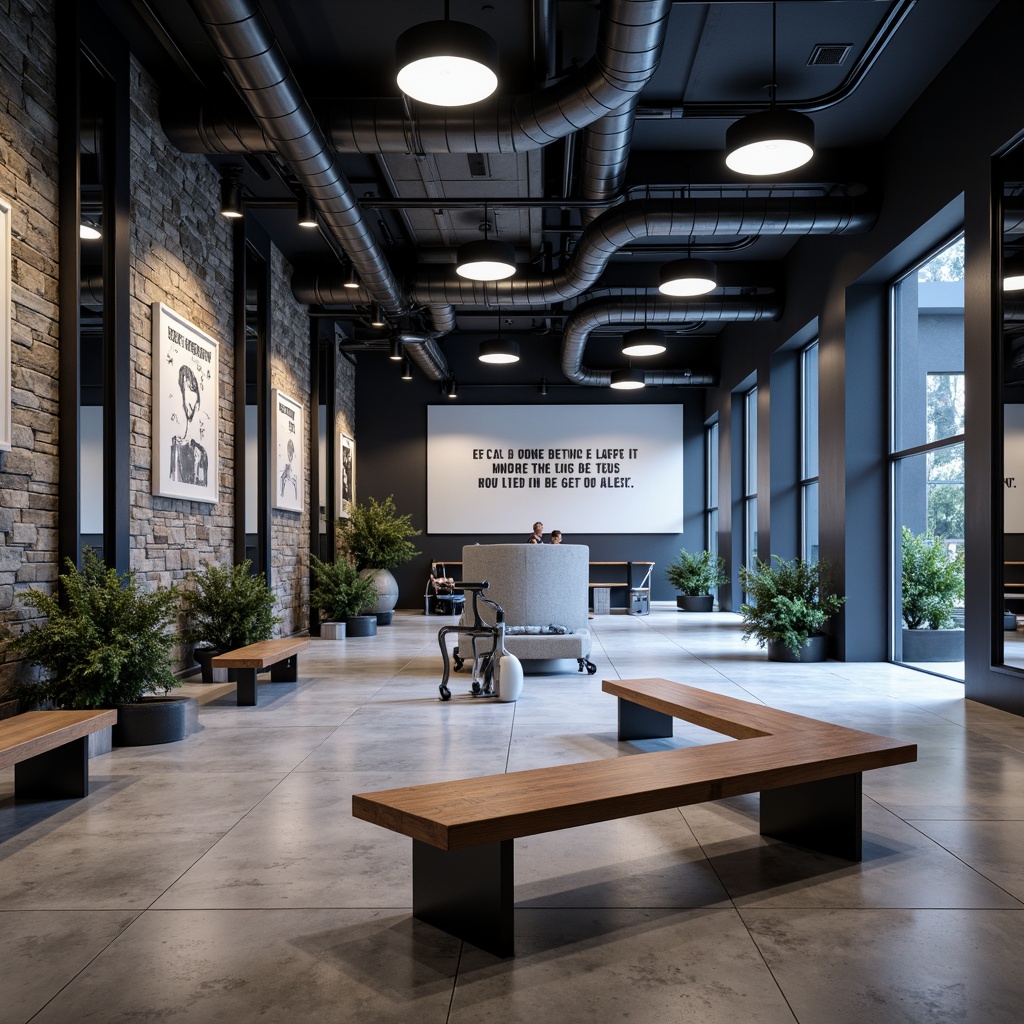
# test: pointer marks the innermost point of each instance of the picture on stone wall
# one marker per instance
(185, 408)
(346, 474)
(288, 433)
(5, 325)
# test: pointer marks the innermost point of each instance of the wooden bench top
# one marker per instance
(774, 749)
(35, 732)
(262, 654)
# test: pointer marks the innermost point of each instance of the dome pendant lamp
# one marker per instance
(1013, 273)
(688, 277)
(771, 141)
(447, 63)
(645, 341)
(499, 350)
(629, 379)
(485, 259)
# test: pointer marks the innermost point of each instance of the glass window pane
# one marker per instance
(750, 442)
(928, 350)
(712, 466)
(750, 545)
(810, 521)
(809, 408)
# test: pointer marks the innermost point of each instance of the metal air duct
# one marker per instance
(637, 312)
(642, 219)
(257, 66)
(631, 35)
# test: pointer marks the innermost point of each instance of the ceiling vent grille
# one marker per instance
(831, 54)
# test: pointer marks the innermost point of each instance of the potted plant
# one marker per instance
(340, 594)
(695, 576)
(932, 584)
(226, 607)
(376, 539)
(788, 607)
(107, 645)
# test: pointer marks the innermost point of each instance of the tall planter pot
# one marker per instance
(155, 720)
(695, 602)
(813, 650)
(387, 594)
(933, 645)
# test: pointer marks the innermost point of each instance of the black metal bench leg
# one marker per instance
(286, 671)
(58, 774)
(639, 723)
(245, 687)
(467, 893)
(824, 815)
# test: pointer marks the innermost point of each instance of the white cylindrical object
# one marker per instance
(508, 677)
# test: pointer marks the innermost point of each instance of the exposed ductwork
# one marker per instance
(258, 68)
(423, 351)
(631, 35)
(641, 219)
(639, 312)
(605, 155)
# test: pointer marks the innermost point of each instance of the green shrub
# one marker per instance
(932, 581)
(788, 602)
(696, 574)
(340, 591)
(107, 645)
(376, 537)
(227, 607)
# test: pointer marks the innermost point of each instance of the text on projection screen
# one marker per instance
(578, 469)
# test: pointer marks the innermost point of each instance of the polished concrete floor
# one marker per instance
(224, 879)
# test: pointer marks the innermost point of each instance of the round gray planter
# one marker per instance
(387, 591)
(360, 625)
(933, 645)
(695, 603)
(813, 650)
(155, 720)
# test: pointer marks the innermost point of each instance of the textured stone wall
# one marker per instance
(289, 372)
(28, 182)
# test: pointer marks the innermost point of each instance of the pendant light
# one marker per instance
(644, 342)
(396, 350)
(406, 368)
(1013, 273)
(499, 350)
(352, 279)
(306, 212)
(629, 379)
(452, 389)
(231, 191)
(688, 277)
(89, 229)
(772, 141)
(447, 63)
(377, 317)
(485, 259)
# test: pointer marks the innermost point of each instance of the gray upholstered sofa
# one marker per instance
(537, 585)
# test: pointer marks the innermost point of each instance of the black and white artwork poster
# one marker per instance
(288, 432)
(185, 408)
(346, 474)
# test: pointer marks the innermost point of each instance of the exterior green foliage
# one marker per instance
(788, 601)
(227, 607)
(376, 536)
(340, 591)
(107, 645)
(932, 581)
(696, 575)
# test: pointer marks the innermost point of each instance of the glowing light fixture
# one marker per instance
(377, 318)
(644, 342)
(307, 213)
(231, 191)
(1013, 273)
(395, 352)
(406, 368)
(453, 390)
(688, 277)
(447, 63)
(352, 281)
(629, 379)
(486, 260)
(771, 141)
(89, 230)
(499, 350)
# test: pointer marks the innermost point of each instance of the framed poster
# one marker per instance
(287, 439)
(346, 474)
(5, 325)
(185, 408)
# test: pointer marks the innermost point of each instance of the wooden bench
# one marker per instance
(280, 656)
(808, 773)
(50, 751)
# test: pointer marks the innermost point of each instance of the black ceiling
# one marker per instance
(716, 65)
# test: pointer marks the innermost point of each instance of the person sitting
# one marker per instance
(537, 537)
(556, 536)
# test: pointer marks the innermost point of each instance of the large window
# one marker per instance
(809, 452)
(750, 477)
(711, 488)
(927, 461)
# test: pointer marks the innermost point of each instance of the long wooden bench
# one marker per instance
(280, 656)
(808, 773)
(50, 751)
